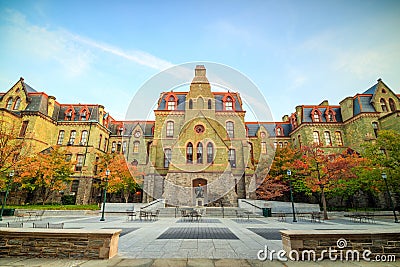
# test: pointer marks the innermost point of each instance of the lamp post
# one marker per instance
(105, 196)
(11, 174)
(289, 173)
(384, 177)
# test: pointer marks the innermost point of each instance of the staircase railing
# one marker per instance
(154, 202)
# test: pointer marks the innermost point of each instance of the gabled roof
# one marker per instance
(307, 117)
(253, 128)
(129, 126)
(93, 110)
(371, 90)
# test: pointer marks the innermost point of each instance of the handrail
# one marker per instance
(151, 203)
(245, 201)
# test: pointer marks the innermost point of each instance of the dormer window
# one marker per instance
(9, 103)
(330, 115)
(228, 103)
(316, 115)
(120, 130)
(171, 102)
(279, 131)
(69, 114)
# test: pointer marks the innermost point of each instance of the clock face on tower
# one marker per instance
(137, 134)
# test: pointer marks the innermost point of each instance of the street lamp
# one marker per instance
(105, 196)
(384, 177)
(289, 173)
(11, 174)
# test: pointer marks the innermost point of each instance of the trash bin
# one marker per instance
(8, 212)
(267, 212)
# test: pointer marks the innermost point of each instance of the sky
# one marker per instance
(295, 52)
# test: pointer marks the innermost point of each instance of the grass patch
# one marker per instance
(54, 207)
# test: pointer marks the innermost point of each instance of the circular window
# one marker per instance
(137, 134)
(262, 135)
(199, 129)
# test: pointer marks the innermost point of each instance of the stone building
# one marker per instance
(199, 149)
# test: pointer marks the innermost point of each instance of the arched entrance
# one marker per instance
(199, 191)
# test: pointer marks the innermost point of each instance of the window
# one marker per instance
(330, 115)
(167, 157)
(210, 153)
(190, 104)
(170, 129)
(100, 139)
(209, 103)
(316, 117)
(17, 103)
(72, 138)
(199, 153)
(96, 165)
(375, 127)
(328, 141)
(119, 145)
(69, 114)
(23, 128)
(60, 137)
(9, 103)
(84, 138)
(392, 105)
(171, 103)
(229, 103)
(279, 131)
(79, 163)
(338, 137)
(299, 138)
(113, 147)
(189, 153)
(84, 114)
(124, 147)
(383, 105)
(105, 144)
(275, 145)
(280, 144)
(230, 129)
(120, 130)
(316, 137)
(75, 186)
(263, 148)
(135, 147)
(232, 158)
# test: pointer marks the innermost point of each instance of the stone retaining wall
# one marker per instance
(379, 242)
(59, 243)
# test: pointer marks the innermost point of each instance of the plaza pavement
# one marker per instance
(209, 242)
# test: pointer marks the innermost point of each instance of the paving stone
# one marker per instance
(201, 263)
(135, 262)
(169, 263)
(198, 233)
(231, 262)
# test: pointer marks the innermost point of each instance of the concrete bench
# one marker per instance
(59, 243)
(378, 241)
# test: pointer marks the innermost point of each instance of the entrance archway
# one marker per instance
(199, 191)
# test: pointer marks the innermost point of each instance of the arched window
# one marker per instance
(210, 153)
(69, 114)
(316, 137)
(383, 105)
(170, 129)
(209, 103)
(263, 148)
(375, 127)
(84, 114)
(190, 104)
(135, 147)
(17, 103)
(113, 147)
(9, 103)
(279, 131)
(60, 137)
(119, 145)
(392, 105)
(199, 153)
(230, 129)
(330, 115)
(189, 153)
(171, 105)
(328, 141)
(100, 139)
(228, 103)
(72, 138)
(167, 157)
(338, 137)
(124, 144)
(232, 158)
(84, 138)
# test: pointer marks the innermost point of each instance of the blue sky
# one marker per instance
(296, 52)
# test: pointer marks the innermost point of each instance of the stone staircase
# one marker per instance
(209, 212)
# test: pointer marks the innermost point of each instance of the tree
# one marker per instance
(322, 172)
(47, 171)
(384, 155)
(124, 177)
(13, 149)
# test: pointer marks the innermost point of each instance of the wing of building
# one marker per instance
(199, 150)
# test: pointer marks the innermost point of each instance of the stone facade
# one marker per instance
(199, 138)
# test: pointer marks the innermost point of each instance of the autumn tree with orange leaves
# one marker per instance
(322, 172)
(124, 177)
(46, 172)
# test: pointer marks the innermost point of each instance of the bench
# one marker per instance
(59, 243)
